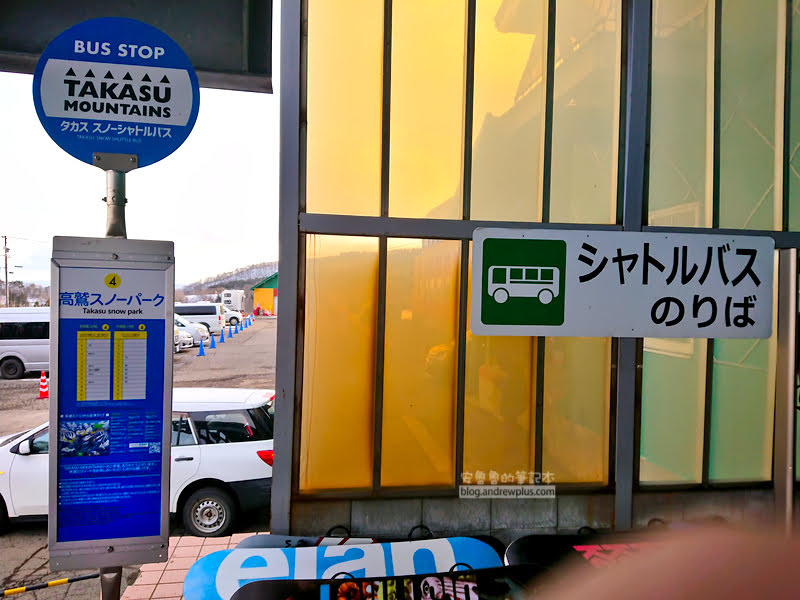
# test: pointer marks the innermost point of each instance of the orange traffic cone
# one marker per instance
(44, 391)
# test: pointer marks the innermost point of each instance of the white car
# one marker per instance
(186, 339)
(198, 331)
(221, 462)
(234, 317)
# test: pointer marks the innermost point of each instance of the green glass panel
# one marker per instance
(748, 63)
(742, 410)
(583, 186)
(681, 114)
(673, 401)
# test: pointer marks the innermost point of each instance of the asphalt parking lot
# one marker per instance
(246, 360)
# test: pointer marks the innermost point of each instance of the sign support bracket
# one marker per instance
(115, 202)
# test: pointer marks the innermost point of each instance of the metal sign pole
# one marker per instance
(115, 201)
(110, 583)
(111, 577)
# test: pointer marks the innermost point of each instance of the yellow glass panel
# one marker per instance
(577, 390)
(508, 110)
(419, 394)
(673, 409)
(586, 112)
(338, 363)
(743, 405)
(499, 406)
(751, 129)
(499, 396)
(344, 107)
(427, 108)
(682, 115)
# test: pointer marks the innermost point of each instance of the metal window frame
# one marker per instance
(632, 188)
(784, 240)
(384, 227)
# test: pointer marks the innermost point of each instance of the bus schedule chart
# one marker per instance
(130, 364)
(94, 365)
(98, 378)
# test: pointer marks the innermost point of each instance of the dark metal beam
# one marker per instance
(286, 361)
(228, 41)
(440, 229)
(639, 14)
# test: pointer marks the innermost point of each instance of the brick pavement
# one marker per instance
(164, 581)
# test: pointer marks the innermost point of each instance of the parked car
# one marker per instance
(234, 317)
(198, 331)
(210, 314)
(186, 339)
(221, 461)
(24, 341)
(176, 341)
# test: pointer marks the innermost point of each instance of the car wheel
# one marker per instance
(234, 321)
(3, 516)
(209, 512)
(12, 368)
(207, 326)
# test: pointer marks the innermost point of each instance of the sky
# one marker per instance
(216, 196)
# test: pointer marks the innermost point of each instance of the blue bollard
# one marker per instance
(230, 332)
(222, 336)
(236, 329)
(244, 324)
(213, 344)
(202, 351)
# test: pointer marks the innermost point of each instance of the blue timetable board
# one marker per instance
(108, 440)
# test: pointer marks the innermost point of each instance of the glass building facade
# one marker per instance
(406, 125)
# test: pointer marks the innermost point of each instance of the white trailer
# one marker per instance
(233, 299)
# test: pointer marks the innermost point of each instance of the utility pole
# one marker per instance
(5, 256)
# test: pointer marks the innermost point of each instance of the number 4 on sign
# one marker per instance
(112, 280)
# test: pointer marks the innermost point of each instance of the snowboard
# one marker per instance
(218, 575)
(507, 583)
(597, 550)
(267, 540)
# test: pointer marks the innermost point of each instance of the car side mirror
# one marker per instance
(24, 447)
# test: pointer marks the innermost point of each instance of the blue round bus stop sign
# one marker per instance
(115, 85)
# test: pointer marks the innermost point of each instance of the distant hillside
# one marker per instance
(238, 279)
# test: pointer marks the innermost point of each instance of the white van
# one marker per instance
(210, 314)
(24, 341)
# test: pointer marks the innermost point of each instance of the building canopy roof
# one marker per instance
(270, 282)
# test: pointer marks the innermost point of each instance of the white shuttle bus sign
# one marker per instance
(541, 282)
(115, 85)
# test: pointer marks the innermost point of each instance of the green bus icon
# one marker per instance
(523, 281)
